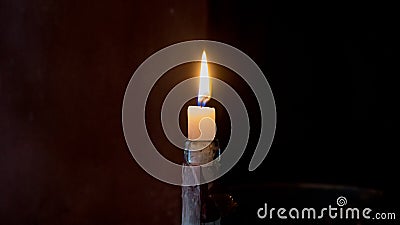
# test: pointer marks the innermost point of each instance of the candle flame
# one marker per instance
(205, 84)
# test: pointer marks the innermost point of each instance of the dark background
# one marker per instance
(64, 67)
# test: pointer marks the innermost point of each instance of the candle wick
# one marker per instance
(202, 100)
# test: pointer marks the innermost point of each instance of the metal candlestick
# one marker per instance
(197, 207)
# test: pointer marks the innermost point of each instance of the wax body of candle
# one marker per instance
(201, 123)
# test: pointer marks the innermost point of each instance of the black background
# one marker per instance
(64, 67)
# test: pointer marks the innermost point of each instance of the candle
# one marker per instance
(201, 119)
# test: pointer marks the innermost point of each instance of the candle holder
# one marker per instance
(201, 152)
(198, 207)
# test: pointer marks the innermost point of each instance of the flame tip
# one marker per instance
(204, 56)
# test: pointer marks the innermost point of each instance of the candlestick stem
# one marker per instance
(197, 207)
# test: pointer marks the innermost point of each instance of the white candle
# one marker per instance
(201, 125)
(201, 119)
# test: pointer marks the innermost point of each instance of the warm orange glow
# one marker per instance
(205, 84)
